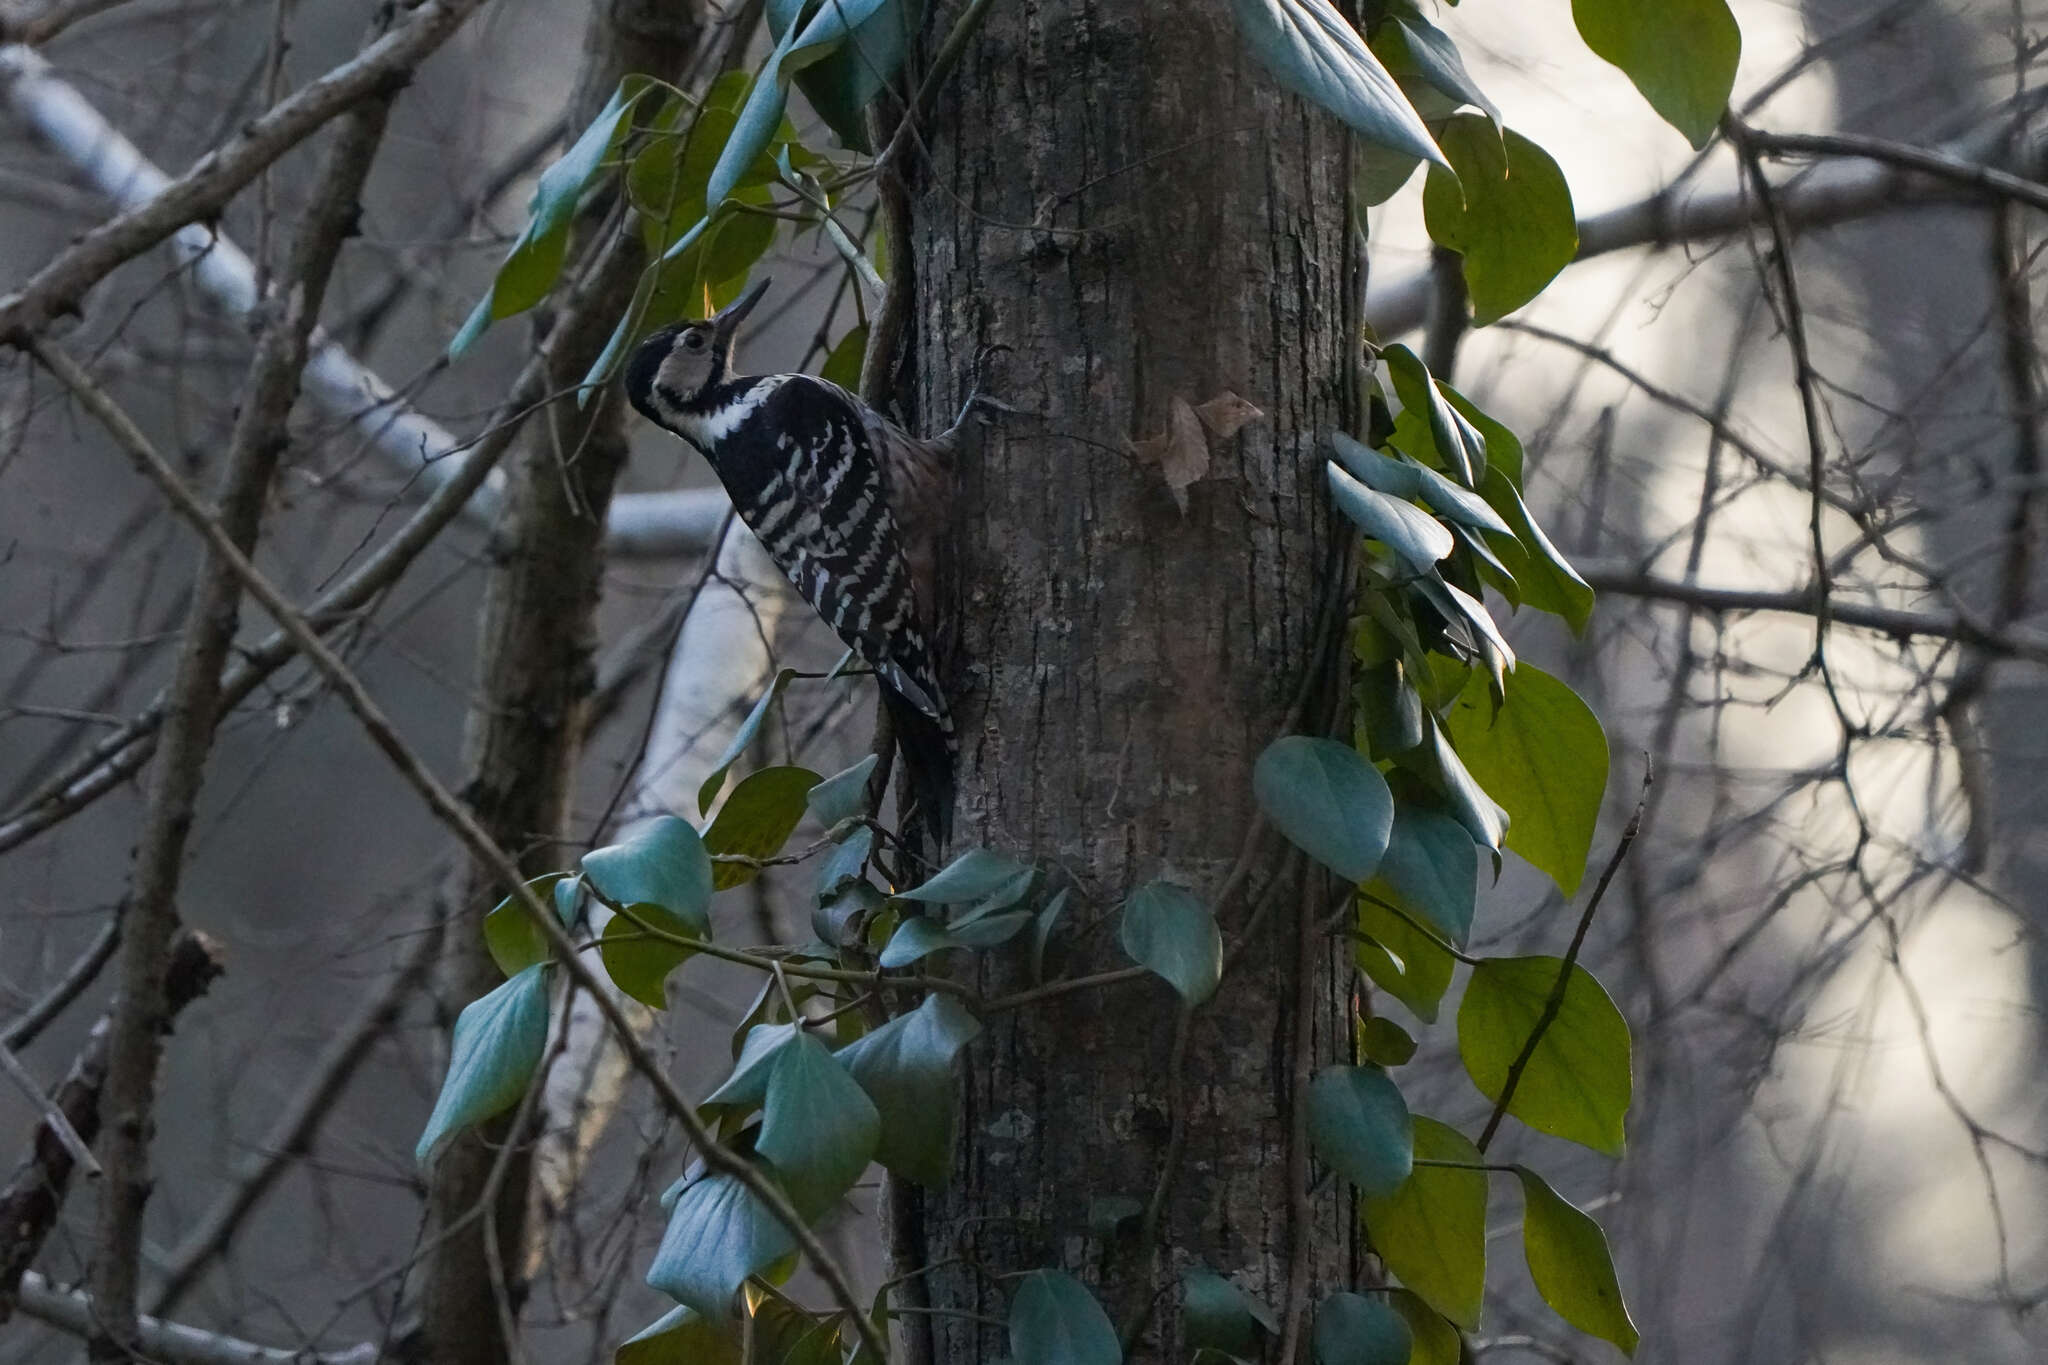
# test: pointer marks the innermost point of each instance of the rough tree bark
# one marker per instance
(525, 731)
(1119, 193)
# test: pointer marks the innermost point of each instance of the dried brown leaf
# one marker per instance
(1226, 414)
(1180, 451)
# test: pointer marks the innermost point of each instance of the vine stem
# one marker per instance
(1555, 1003)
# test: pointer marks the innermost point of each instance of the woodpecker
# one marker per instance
(847, 504)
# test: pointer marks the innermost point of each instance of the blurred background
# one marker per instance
(1826, 939)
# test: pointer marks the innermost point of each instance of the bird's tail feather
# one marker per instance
(926, 746)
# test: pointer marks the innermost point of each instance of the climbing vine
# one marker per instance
(1458, 753)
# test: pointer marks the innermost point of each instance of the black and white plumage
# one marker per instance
(847, 505)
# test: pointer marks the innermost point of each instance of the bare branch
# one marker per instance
(29, 1203)
(292, 1131)
(658, 524)
(205, 189)
(51, 1003)
(1835, 193)
(1934, 161)
(1628, 581)
(172, 1342)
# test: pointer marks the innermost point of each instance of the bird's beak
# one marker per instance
(729, 317)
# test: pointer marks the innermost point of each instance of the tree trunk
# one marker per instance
(1124, 197)
(525, 730)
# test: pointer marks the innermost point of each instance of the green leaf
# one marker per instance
(1404, 528)
(1513, 222)
(906, 1068)
(1571, 1265)
(974, 874)
(1401, 959)
(756, 820)
(718, 1234)
(747, 1086)
(1041, 931)
(497, 1045)
(1381, 473)
(1432, 1231)
(1389, 709)
(681, 1334)
(1382, 1041)
(1467, 623)
(1218, 1316)
(801, 45)
(919, 936)
(1576, 1084)
(1314, 51)
(1328, 801)
(1547, 579)
(731, 252)
(842, 367)
(1681, 54)
(640, 966)
(1005, 895)
(1436, 1341)
(1457, 443)
(1482, 817)
(1503, 447)
(848, 862)
(742, 740)
(1359, 1125)
(818, 1128)
(1434, 869)
(662, 864)
(530, 268)
(842, 85)
(842, 795)
(1542, 756)
(1434, 57)
(514, 940)
(1360, 1329)
(1170, 931)
(1407, 479)
(785, 1334)
(1054, 1320)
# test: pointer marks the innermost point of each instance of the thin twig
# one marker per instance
(59, 1123)
(33, 1020)
(1555, 1002)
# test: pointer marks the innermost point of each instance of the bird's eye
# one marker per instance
(693, 341)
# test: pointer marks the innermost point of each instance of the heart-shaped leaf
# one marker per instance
(818, 1127)
(1577, 1082)
(1359, 1124)
(1360, 1329)
(662, 864)
(1054, 1320)
(906, 1068)
(1571, 1265)
(1329, 802)
(1169, 930)
(756, 820)
(497, 1045)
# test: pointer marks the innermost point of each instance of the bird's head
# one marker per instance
(675, 367)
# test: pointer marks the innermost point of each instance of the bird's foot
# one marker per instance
(979, 402)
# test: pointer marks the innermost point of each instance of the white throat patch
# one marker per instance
(706, 429)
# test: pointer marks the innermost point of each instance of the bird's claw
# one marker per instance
(983, 403)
